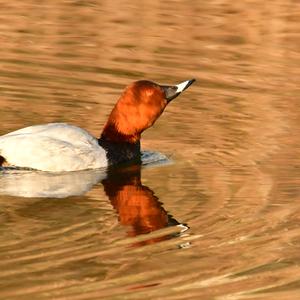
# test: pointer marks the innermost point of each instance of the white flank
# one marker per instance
(55, 147)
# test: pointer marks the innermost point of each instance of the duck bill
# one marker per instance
(171, 92)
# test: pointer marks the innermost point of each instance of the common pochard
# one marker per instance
(59, 147)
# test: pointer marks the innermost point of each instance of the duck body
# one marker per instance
(54, 147)
(60, 147)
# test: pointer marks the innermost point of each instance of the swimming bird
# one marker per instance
(60, 147)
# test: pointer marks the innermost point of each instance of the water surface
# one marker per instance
(220, 220)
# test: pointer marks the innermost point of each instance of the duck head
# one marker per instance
(138, 108)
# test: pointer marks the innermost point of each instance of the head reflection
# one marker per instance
(135, 203)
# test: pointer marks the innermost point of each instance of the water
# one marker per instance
(218, 219)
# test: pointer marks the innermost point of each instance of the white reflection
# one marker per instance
(44, 184)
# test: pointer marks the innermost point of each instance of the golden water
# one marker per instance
(221, 219)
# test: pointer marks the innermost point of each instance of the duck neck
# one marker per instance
(119, 152)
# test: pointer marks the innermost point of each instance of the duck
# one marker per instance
(62, 147)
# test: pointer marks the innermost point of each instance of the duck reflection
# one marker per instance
(135, 203)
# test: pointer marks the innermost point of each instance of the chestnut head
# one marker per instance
(138, 108)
